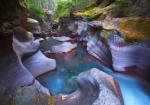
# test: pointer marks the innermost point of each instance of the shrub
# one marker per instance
(64, 8)
(36, 10)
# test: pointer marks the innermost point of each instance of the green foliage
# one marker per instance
(120, 1)
(95, 12)
(36, 10)
(64, 8)
(131, 39)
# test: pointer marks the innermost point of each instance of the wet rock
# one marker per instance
(64, 47)
(11, 66)
(25, 96)
(34, 60)
(13, 73)
(96, 48)
(129, 56)
(62, 38)
(39, 64)
(110, 93)
(95, 88)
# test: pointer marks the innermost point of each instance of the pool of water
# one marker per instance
(134, 90)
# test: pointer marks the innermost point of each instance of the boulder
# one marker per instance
(110, 93)
(22, 34)
(24, 43)
(95, 88)
(25, 96)
(33, 26)
(67, 26)
(64, 47)
(39, 64)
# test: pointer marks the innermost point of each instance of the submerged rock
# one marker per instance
(25, 96)
(95, 88)
(39, 64)
(64, 47)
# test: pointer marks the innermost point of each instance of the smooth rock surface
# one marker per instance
(13, 73)
(99, 50)
(25, 48)
(62, 38)
(64, 47)
(95, 88)
(128, 56)
(39, 64)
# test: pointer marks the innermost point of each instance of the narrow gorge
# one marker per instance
(74, 52)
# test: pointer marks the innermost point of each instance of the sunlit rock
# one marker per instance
(27, 95)
(39, 64)
(62, 38)
(95, 88)
(64, 47)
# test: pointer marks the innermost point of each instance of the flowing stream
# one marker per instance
(135, 91)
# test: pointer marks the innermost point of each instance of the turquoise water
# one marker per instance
(63, 80)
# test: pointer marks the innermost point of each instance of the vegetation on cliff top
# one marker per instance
(35, 10)
(66, 7)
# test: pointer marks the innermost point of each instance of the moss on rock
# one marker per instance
(134, 28)
(95, 12)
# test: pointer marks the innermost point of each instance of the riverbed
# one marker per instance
(135, 91)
